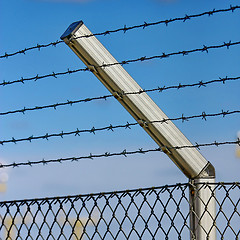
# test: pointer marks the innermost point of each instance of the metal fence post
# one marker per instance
(149, 116)
(202, 209)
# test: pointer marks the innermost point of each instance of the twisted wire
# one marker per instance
(125, 29)
(111, 127)
(99, 195)
(124, 153)
(64, 199)
(38, 77)
(105, 97)
(54, 106)
(140, 59)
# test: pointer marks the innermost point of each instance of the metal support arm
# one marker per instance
(115, 78)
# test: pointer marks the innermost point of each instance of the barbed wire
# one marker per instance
(38, 77)
(111, 127)
(54, 106)
(124, 153)
(140, 59)
(166, 55)
(105, 97)
(125, 29)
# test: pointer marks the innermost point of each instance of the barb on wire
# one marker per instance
(105, 97)
(111, 127)
(140, 59)
(125, 29)
(124, 153)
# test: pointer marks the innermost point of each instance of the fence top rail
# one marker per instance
(99, 195)
(123, 193)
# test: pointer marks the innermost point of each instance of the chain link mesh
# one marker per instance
(151, 213)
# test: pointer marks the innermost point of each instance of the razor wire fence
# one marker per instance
(150, 213)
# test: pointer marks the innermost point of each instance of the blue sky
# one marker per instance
(25, 23)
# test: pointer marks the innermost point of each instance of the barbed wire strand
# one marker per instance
(111, 127)
(105, 97)
(124, 153)
(38, 77)
(125, 29)
(140, 59)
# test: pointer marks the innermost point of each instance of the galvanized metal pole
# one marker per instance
(202, 209)
(115, 78)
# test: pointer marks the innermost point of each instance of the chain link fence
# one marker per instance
(150, 213)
